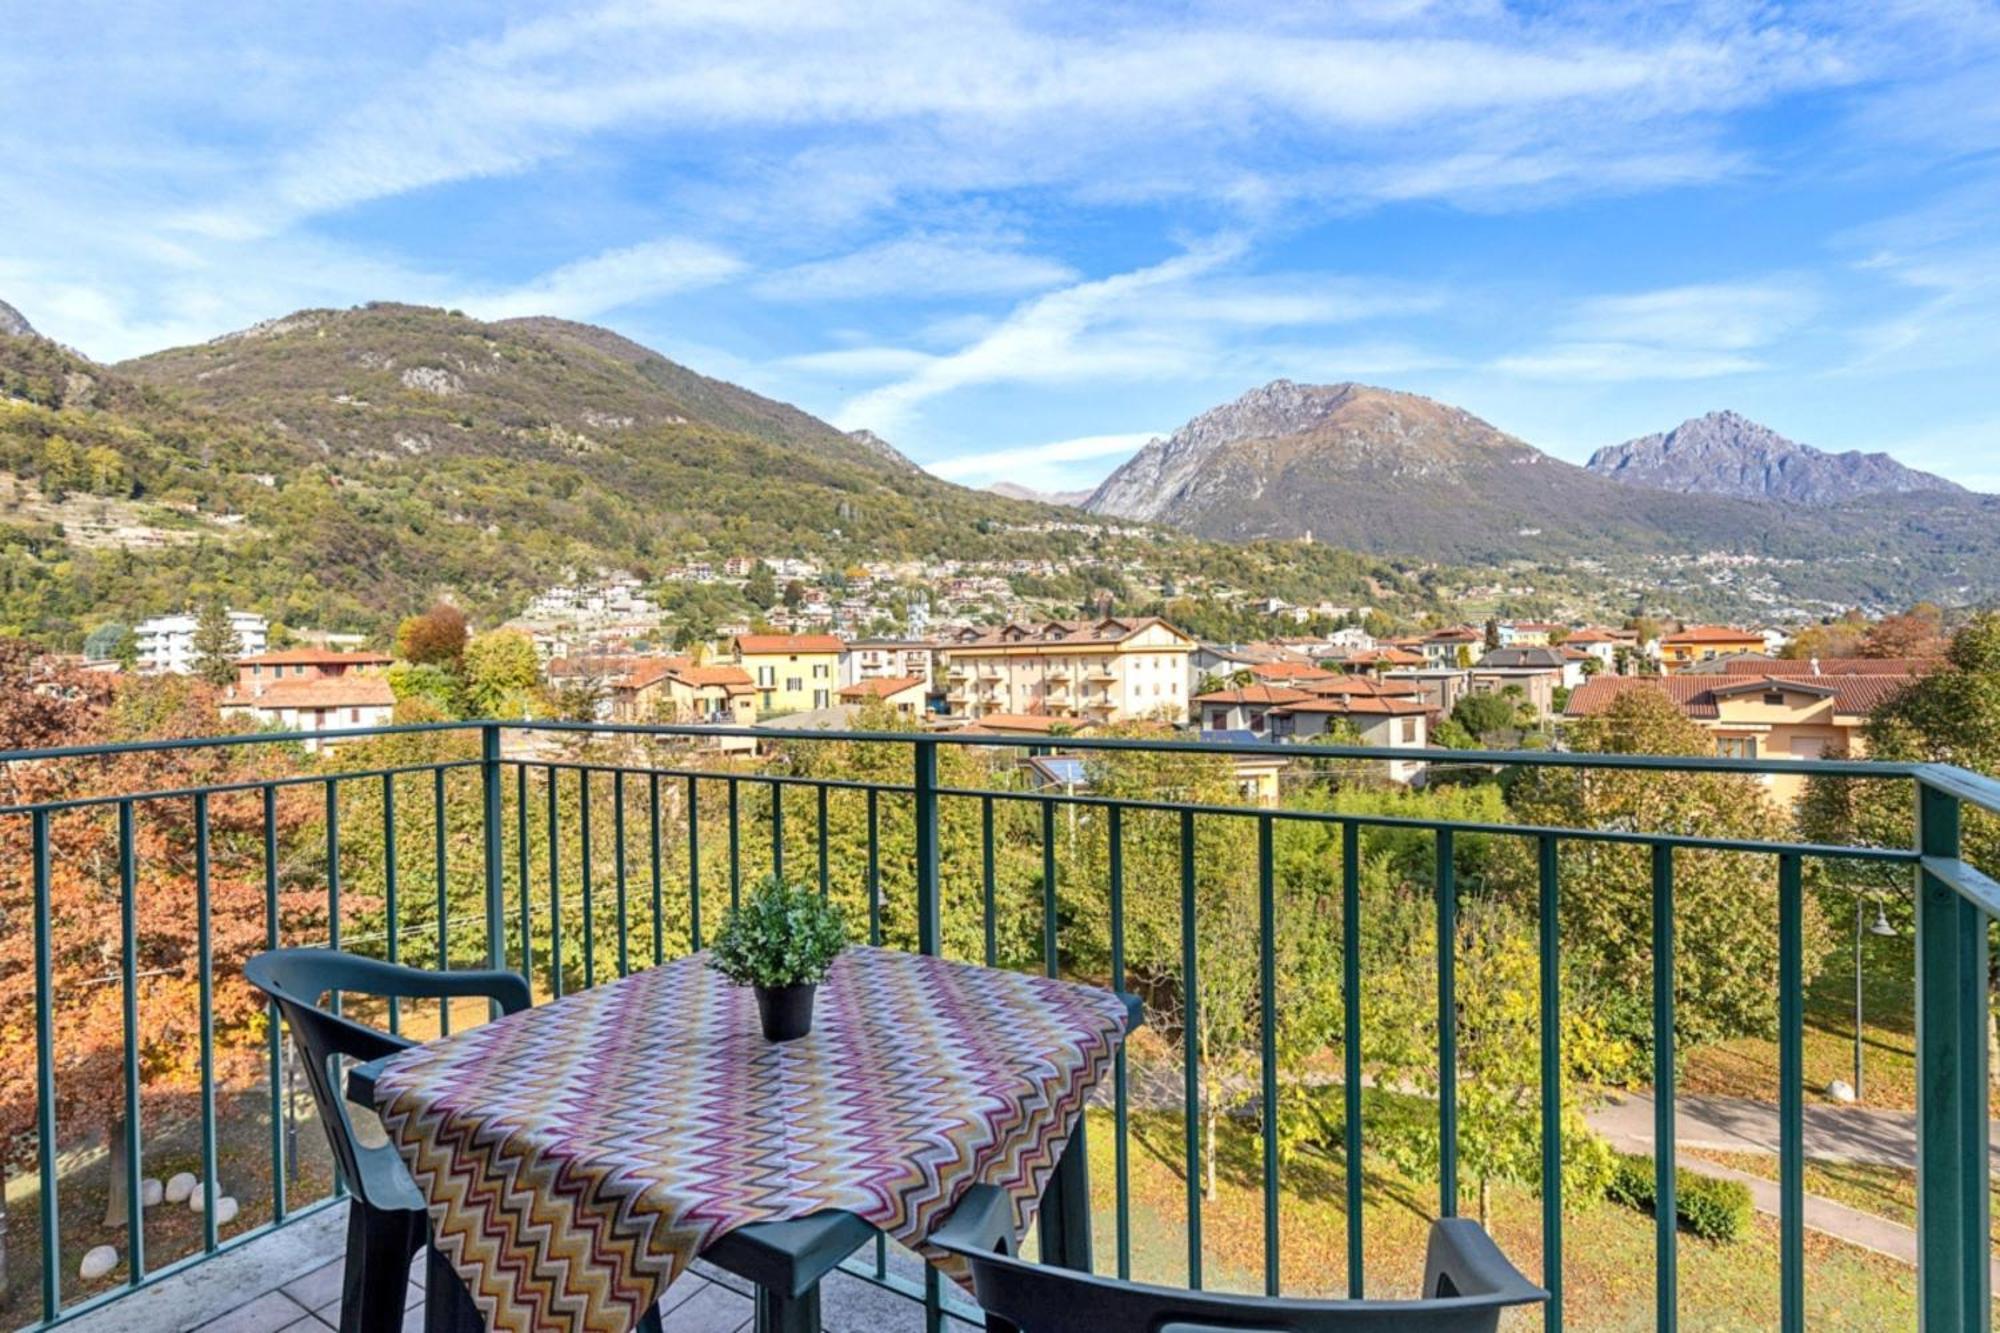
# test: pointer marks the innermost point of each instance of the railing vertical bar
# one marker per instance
(587, 892)
(1665, 1203)
(778, 830)
(653, 838)
(1191, 1048)
(1121, 1107)
(1050, 959)
(924, 811)
(735, 844)
(128, 932)
(1350, 1043)
(1267, 1023)
(694, 864)
(274, 1027)
(521, 854)
(45, 1071)
(1447, 1021)
(988, 926)
(493, 855)
(205, 961)
(1791, 1095)
(441, 877)
(554, 798)
(391, 905)
(825, 864)
(1953, 1277)
(874, 868)
(333, 871)
(1547, 906)
(618, 859)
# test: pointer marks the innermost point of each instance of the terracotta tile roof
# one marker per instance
(1714, 634)
(1384, 657)
(1290, 671)
(788, 643)
(1835, 666)
(1012, 722)
(349, 691)
(1253, 694)
(1359, 686)
(1110, 629)
(1458, 634)
(1696, 695)
(1376, 705)
(315, 657)
(1597, 634)
(880, 687)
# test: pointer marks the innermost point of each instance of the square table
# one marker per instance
(576, 1156)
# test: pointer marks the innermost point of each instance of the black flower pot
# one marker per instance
(786, 1011)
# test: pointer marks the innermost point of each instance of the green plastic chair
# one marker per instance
(1468, 1282)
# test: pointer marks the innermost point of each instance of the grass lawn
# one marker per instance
(1608, 1264)
(1748, 1066)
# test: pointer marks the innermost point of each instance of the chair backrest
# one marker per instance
(1467, 1283)
(297, 980)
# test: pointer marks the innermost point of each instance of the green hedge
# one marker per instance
(1710, 1208)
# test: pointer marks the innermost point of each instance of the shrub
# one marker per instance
(782, 935)
(1710, 1208)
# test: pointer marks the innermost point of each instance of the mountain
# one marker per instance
(340, 467)
(13, 323)
(1726, 454)
(1014, 492)
(1398, 474)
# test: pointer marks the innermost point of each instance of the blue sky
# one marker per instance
(1017, 239)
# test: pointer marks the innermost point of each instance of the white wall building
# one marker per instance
(166, 643)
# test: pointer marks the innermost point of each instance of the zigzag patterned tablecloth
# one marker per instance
(576, 1156)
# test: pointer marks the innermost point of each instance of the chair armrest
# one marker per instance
(1462, 1260)
(982, 1223)
(508, 989)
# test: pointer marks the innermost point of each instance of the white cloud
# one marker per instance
(866, 362)
(630, 276)
(916, 267)
(1698, 331)
(1039, 465)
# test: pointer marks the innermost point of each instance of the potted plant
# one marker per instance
(781, 941)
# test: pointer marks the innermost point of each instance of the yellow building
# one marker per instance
(790, 672)
(1698, 643)
(1763, 717)
(1085, 671)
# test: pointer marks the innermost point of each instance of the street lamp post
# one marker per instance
(1882, 928)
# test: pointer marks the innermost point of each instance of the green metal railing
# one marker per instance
(531, 776)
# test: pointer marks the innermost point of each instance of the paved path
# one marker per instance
(1738, 1124)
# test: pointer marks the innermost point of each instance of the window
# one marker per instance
(819, 698)
(1409, 731)
(767, 676)
(354, 715)
(819, 671)
(794, 683)
(1774, 698)
(1736, 747)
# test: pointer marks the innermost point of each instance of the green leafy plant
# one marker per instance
(1719, 1210)
(781, 935)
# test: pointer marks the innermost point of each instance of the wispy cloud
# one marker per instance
(629, 276)
(1699, 331)
(1057, 465)
(918, 267)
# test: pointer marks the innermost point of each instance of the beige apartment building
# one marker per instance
(1085, 672)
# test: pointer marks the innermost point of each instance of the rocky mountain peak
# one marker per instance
(13, 323)
(1726, 453)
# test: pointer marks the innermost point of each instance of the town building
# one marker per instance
(874, 659)
(1457, 646)
(166, 643)
(317, 704)
(1245, 708)
(904, 694)
(1762, 716)
(1383, 722)
(675, 691)
(1108, 670)
(256, 673)
(791, 672)
(1692, 645)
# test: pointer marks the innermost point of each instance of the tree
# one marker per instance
(499, 672)
(761, 588)
(437, 637)
(1487, 716)
(1492, 634)
(1726, 958)
(102, 642)
(39, 707)
(795, 595)
(1917, 632)
(439, 690)
(216, 645)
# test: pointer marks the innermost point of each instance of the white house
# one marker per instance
(166, 643)
(326, 703)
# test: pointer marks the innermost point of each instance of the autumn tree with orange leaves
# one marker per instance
(43, 707)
